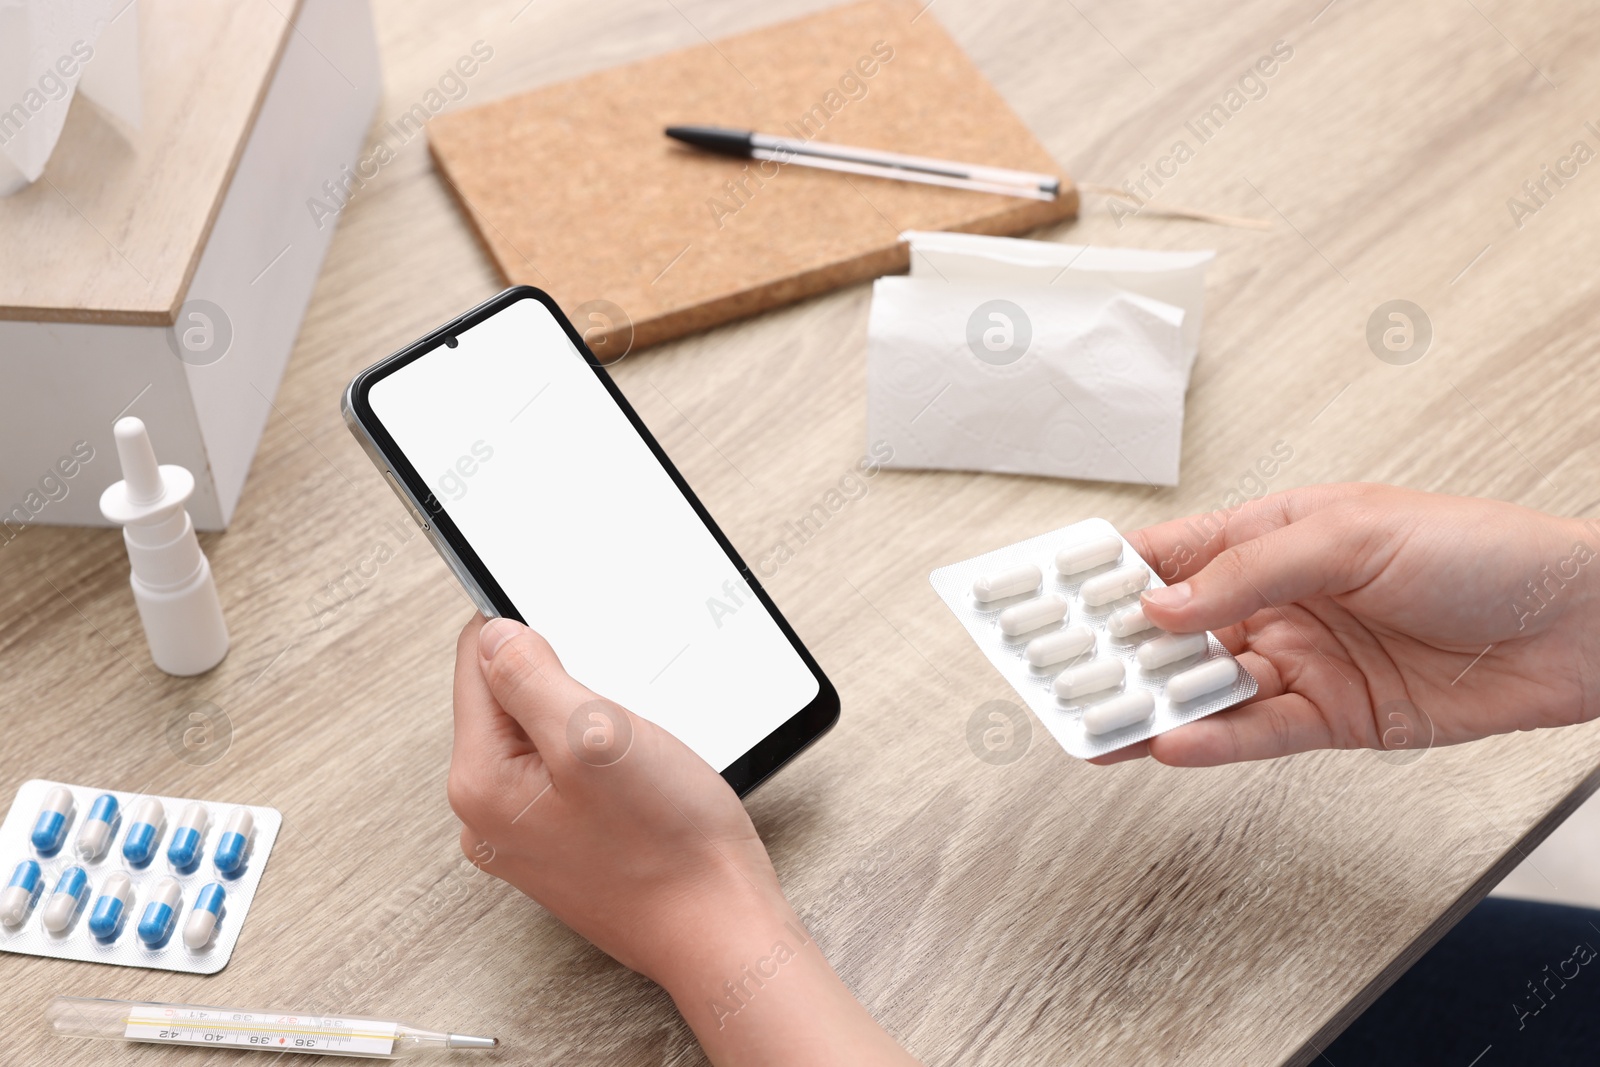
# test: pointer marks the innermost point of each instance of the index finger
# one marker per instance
(1180, 548)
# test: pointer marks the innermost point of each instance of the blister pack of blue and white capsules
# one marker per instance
(131, 879)
(1059, 617)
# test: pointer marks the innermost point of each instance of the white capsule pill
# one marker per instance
(144, 831)
(17, 898)
(95, 833)
(63, 904)
(202, 921)
(234, 842)
(1090, 553)
(1206, 678)
(156, 923)
(1007, 583)
(51, 826)
(1089, 678)
(1170, 648)
(1059, 646)
(111, 907)
(1128, 621)
(184, 848)
(1114, 585)
(1032, 614)
(1119, 711)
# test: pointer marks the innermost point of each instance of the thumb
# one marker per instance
(527, 680)
(1303, 559)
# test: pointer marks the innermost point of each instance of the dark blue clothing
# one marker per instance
(1515, 982)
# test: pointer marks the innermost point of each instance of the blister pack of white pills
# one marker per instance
(129, 878)
(1059, 617)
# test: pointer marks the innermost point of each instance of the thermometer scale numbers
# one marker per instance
(327, 1035)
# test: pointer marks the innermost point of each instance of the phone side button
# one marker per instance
(416, 516)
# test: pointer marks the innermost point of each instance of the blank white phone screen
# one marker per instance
(585, 531)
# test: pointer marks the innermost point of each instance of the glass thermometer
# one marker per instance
(274, 1031)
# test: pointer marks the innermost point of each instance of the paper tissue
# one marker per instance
(1027, 357)
(49, 51)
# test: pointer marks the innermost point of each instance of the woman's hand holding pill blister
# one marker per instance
(631, 839)
(1351, 604)
(1058, 615)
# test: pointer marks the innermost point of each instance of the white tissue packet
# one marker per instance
(1176, 278)
(1073, 381)
(1059, 617)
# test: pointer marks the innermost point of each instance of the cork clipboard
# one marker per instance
(573, 187)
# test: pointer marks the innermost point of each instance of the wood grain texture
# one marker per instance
(113, 229)
(573, 187)
(1040, 912)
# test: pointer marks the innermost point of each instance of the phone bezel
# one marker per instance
(792, 737)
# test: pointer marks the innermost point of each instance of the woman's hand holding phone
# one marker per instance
(635, 842)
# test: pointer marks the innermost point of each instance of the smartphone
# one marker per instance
(528, 470)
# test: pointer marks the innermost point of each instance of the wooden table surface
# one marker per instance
(1037, 911)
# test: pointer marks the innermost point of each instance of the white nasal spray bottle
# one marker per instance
(172, 583)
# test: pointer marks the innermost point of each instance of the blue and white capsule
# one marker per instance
(98, 827)
(51, 826)
(145, 832)
(235, 841)
(189, 836)
(202, 920)
(111, 907)
(20, 893)
(156, 923)
(62, 907)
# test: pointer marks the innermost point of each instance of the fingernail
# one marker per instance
(1170, 597)
(495, 633)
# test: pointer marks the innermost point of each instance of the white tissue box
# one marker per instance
(142, 282)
